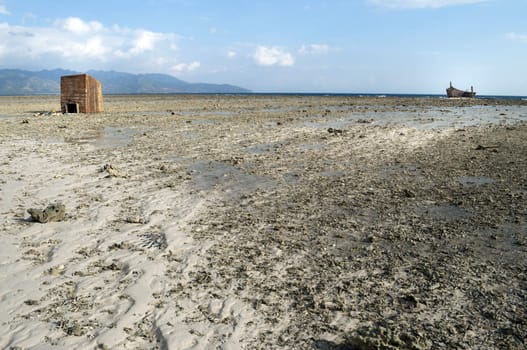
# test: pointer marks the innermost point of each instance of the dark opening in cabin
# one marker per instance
(72, 108)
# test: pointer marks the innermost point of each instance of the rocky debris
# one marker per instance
(384, 233)
(381, 337)
(135, 219)
(364, 121)
(53, 212)
(335, 131)
(46, 114)
(112, 171)
(56, 270)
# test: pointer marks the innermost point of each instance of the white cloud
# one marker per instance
(516, 37)
(185, 67)
(147, 41)
(232, 54)
(3, 8)
(270, 56)
(78, 26)
(314, 49)
(423, 3)
(92, 47)
(77, 44)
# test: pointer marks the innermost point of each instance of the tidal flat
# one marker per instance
(264, 222)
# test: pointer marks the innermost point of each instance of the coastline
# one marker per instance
(265, 222)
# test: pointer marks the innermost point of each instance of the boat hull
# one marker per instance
(453, 92)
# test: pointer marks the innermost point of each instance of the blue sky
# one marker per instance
(377, 46)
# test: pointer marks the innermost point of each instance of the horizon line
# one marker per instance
(292, 93)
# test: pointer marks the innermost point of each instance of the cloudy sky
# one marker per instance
(378, 46)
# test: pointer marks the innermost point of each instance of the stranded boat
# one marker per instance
(453, 92)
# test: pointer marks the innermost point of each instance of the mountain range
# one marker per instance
(24, 82)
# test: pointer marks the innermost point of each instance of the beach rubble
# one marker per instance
(53, 212)
(112, 171)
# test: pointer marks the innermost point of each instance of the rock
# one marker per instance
(56, 270)
(112, 171)
(135, 220)
(407, 193)
(46, 113)
(335, 131)
(53, 212)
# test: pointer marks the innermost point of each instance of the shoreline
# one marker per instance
(268, 222)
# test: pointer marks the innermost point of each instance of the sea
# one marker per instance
(499, 97)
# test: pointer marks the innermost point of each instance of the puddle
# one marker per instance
(88, 137)
(271, 124)
(313, 146)
(441, 117)
(476, 180)
(116, 137)
(399, 169)
(170, 113)
(214, 175)
(292, 177)
(190, 135)
(335, 124)
(147, 113)
(332, 173)
(425, 118)
(281, 109)
(6, 116)
(504, 242)
(341, 108)
(206, 113)
(263, 148)
(202, 122)
(108, 137)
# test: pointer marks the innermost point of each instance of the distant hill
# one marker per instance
(22, 82)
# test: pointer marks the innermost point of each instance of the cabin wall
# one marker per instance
(73, 92)
(80, 94)
(94, 96)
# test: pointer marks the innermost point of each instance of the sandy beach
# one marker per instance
(264, 222)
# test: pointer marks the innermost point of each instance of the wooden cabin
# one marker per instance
(80, 93)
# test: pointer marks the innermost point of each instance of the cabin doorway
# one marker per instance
(72, 108)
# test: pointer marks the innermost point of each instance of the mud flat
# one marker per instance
(264, 222)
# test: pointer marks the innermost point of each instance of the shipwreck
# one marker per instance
(453, 92)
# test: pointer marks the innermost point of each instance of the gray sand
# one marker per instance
(335, 222)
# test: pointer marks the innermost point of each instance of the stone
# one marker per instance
(53, 212)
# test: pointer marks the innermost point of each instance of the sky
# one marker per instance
(318, 46)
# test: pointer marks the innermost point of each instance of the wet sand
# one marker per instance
(265, 222)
